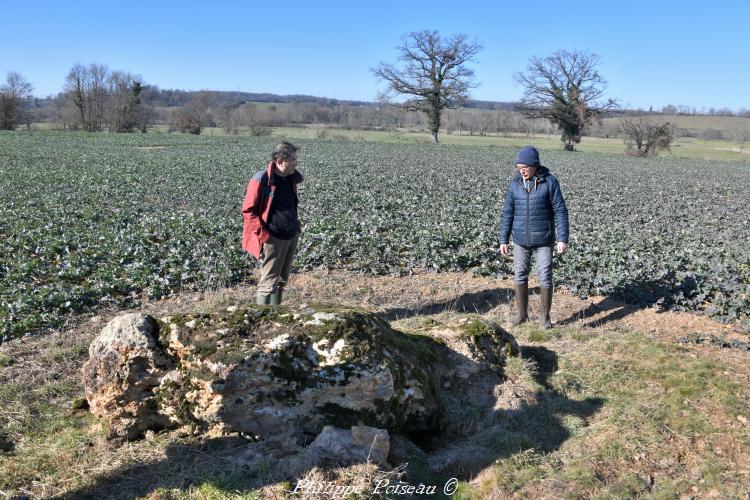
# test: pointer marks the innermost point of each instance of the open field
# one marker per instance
(698, 124)
(92, 221)
(682, 147)
(92, 224)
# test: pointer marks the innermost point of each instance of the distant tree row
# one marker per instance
(681, 109)
(117, 100)
(13, 93)
(563, 93)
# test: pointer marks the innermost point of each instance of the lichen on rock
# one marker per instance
(286, 373)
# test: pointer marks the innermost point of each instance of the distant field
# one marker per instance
(89, 221)
(683, 147)
(700, 122)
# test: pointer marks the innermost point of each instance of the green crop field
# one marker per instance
(88, 221)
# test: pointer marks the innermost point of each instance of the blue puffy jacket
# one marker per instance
(534, 216)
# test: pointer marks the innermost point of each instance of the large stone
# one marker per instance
(360, 444)
(125, 368)
(287, 373)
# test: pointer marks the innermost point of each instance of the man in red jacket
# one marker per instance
(271, 227)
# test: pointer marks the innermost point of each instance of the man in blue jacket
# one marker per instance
(536, 215)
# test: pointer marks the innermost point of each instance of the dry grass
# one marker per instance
(668, 426)
(585, 412)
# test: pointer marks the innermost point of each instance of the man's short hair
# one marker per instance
(283, 151)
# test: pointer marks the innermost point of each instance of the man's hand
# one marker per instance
(504, 249)
(562, 247)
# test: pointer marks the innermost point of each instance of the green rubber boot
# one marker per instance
(522, 304)
(263, 299)
(545, 295)
(276, 297)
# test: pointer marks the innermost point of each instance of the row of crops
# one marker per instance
(93, 220)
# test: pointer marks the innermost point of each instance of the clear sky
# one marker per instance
(653, 53)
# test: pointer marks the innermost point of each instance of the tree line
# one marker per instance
(428, 86)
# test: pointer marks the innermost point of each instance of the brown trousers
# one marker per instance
(276, 262)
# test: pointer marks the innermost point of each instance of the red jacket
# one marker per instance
(256, 207)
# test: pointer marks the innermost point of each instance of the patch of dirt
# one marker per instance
(736, 150)
(60, 355)
(432, 293)
(422, 293)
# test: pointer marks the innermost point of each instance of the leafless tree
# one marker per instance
(566, 88)
(146, 114)
(87, 87)
(644, 136)
(433, 74)
(504, 121)
(124, 102)
(255, 120)
(193, 116)
(229, 117)
(12, 94)
(740, 134)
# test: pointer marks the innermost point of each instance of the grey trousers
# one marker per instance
(276, 262)
(522, 264)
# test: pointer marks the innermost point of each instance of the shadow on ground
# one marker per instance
(536, 425)
(633, 296)
(476, 302)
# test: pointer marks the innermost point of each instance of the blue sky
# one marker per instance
(653, 53)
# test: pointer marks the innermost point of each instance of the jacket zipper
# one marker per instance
(528, 216)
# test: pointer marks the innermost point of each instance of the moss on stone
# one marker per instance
(204, 347)
(474, 328)
(229, 357)
(336, 308)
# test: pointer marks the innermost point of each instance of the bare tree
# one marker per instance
(186, 120)
(645, 136)
(254, 119)
(193, 116)
(12, 94)
(433, 74)
(565, 88)
(504, 121)
(229, 117)
(87, 87)
(124, 101)
(146, 113)
(740, 135)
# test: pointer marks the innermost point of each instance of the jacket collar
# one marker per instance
(541, 175)
(296, 177)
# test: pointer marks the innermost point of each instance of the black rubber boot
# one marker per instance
(545, 295)
(276, 297)
(522, 304)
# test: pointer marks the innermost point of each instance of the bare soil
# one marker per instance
(402, 297)
(58, 357)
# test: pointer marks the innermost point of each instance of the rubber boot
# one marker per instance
(522, 304)
(545, 295)
(263, 299)
(276, 297)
